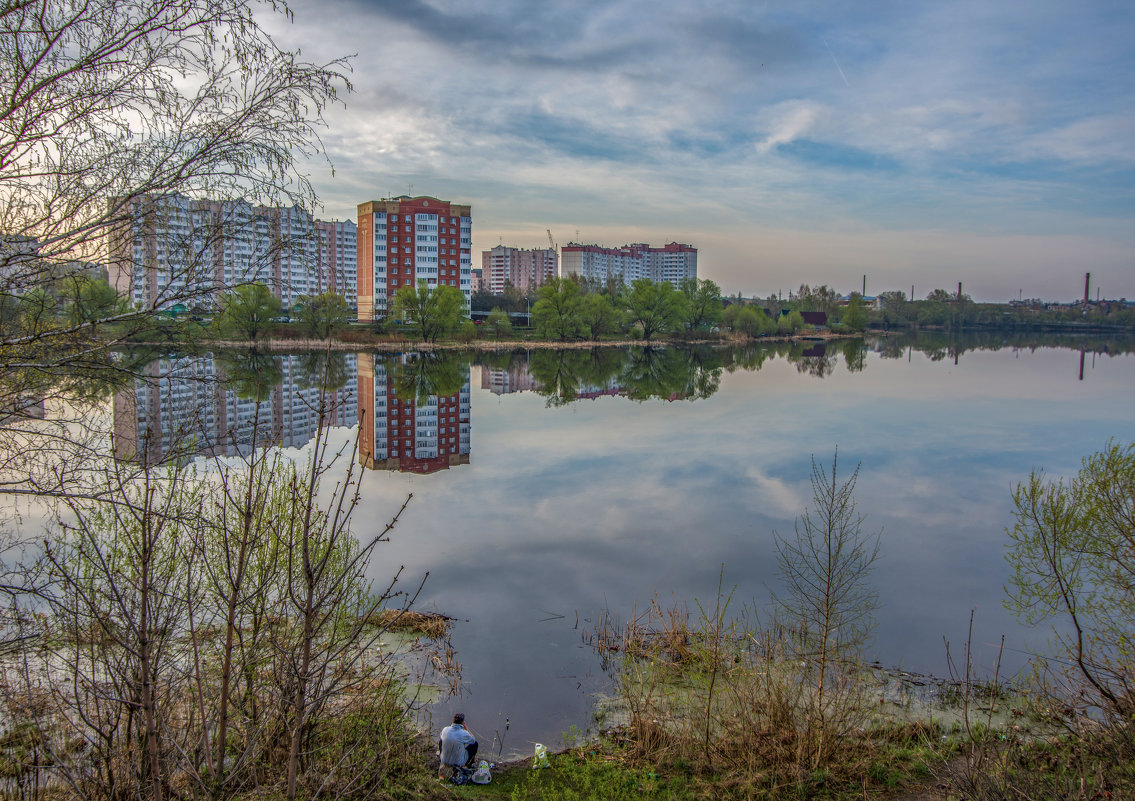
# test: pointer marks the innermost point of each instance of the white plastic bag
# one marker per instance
(482, 775)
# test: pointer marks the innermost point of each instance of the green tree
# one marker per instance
(598, 315)
(855, 315)
(433, 310)
(703, 306)
(1072, 550)
(894, 306)
(653, 306)
(322, 314)
(89, 299)
(556, 314)
(498, 323)
(248, 311)
(821, 299)
(752, 321)
(826, 568)
(790, 323)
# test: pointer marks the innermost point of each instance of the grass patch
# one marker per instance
(431, 625)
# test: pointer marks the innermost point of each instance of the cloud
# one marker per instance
(789, 121)
(728, 125)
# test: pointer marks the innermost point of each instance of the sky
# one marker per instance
(990, 142)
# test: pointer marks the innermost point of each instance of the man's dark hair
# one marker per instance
(459, 718)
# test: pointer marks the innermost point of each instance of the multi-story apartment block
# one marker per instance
(527, 270)
(182, 408)
(629, 263)
(406, 240)
(338, 257)
(410, 435)
(176, 249)
(506, 380)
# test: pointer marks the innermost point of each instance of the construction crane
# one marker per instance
(552, 242)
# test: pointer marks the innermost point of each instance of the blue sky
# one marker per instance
(987, 142)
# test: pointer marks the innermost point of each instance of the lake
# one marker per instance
(552, 486)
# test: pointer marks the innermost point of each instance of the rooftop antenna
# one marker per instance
(410, 190)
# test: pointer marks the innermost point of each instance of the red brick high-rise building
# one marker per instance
(409, 434)
(405, 240)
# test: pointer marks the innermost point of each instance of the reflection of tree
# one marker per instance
(813, 360)
(747, 357)
(249, 374)
(418, 376)
(671, 373)
(324, 370)
(937, 345)
(557, 374)
(855, 355)
(636, 373)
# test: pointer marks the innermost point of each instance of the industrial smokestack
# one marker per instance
(1087, 286)
(959, 290)
(864, 286)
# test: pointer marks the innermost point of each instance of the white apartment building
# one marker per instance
(176, 249)
(673, 262)
(527, 270)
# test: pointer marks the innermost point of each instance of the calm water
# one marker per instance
(549, 487)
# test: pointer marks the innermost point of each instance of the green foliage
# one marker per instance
(1072, 550)
(434, 311)
(598, 315)
(894, 307)
(466, 332)
(498, 323)
(702, 308)
(89, 299)
(322, 314)
(751, 321)
(248, 311)
(790, 323)
(820, 299)
(855, 315)
(655, 307)
(556, 314)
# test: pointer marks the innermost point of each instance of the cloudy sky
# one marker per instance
(988, 141)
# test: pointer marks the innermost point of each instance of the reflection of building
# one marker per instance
(514, 378)
(410, 435)
(629, 263)
(527, 270)
(183, 406)
(403, 241)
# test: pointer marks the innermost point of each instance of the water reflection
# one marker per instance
(229, 403)
(413, 408)
(414, 412)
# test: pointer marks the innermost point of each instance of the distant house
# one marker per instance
(818, 319)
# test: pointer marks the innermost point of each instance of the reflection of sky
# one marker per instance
(603, 503)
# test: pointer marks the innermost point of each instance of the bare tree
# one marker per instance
(108, 108)
(829, 599)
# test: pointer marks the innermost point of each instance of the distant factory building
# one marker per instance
(629, 263)
(406, 240)
(527, 270)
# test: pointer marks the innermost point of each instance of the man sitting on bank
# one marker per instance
(457, 745)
